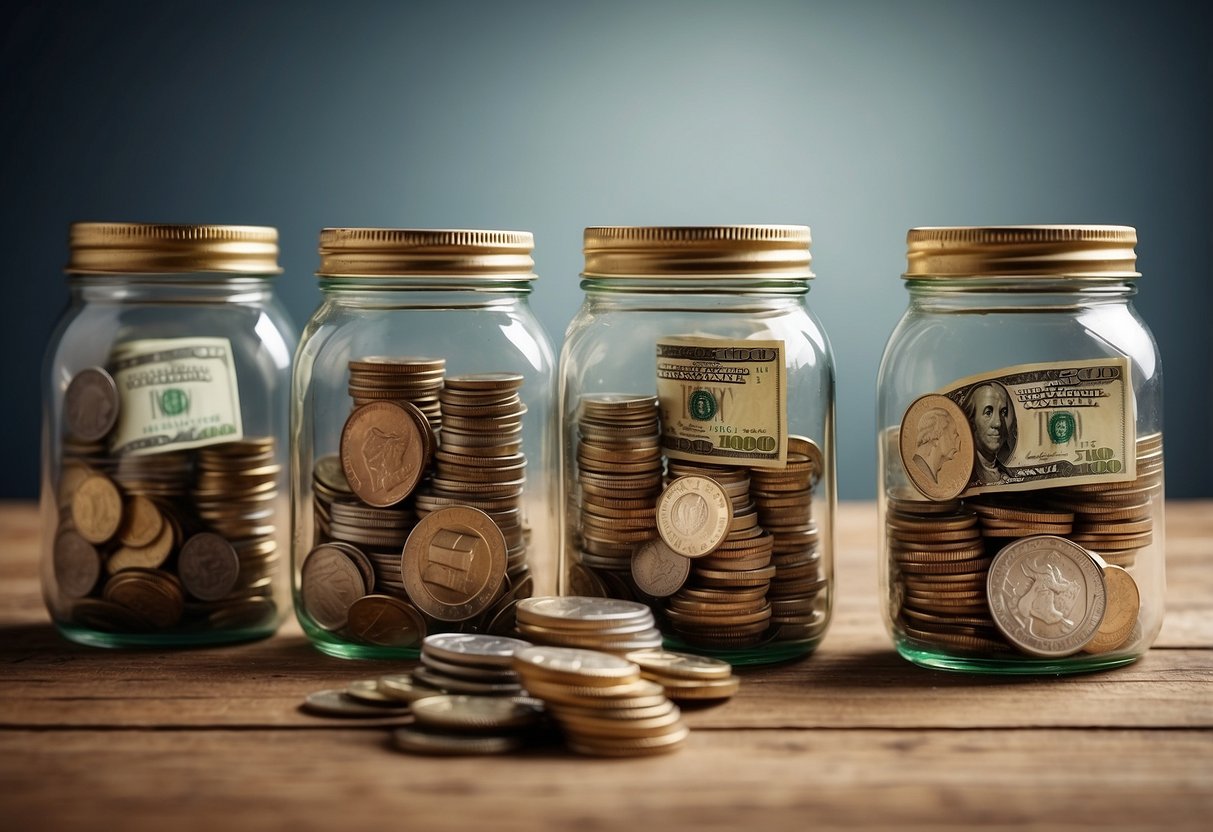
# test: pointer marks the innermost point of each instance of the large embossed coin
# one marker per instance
(387, 621)
(454, 562)
(658, 570)
(90, 404)
(693, 515)
(330, 582)
(1047, 595)
(936, 446)
(383, 453)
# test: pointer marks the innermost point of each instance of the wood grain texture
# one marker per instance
(852, 737)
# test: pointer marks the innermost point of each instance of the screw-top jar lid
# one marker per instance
(776, 251)
(156, 248)
(1089, 251)
(389, 252)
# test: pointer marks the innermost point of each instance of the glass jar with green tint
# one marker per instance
(1019, 410)
(697, 406)
(165, 391)
(422, 440)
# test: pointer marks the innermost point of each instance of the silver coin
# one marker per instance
(475, 713)
(580, 608)
(468, 648)
(417, 741)
(1047, 595)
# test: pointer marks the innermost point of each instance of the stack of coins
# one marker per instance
(607, 624)
(706, 513)
(1116, 520)
(1012, 516)
(168, 476)
(938, 569)
(783, 498)
(600, 702)
(619, 479)
(482, 665)
(328, 485)
(480, 462)
(467, 724)
(686, 677)
(236, 493)
(379, 533)
(376, 378)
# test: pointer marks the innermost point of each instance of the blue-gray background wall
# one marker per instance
(860, 119)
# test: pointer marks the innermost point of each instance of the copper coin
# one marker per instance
(937, 446)
(330, 582)
(141, 522)
(1124, 604)
(386, 621)
(77, 565)
(383, 453)
(208, 566)
(453, 563)
(97, 509)
(90, 405)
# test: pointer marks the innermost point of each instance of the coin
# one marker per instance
(572, 666)
(418, 741)
(461, 712)
(330, 582)
(1047, 595)
(337, 703)
(141, 522)
(97, 509)
(90, 405)
(936, 446)
(382, 452)
(693, 515)
(386, 621)
(77, 564)
(1124, 605)
(154, 595)
(658, 570)
(208, 566)
(475, 649)
(454, 562)
(670, 664)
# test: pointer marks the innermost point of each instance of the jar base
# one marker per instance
(1013, 665)
(99, 638)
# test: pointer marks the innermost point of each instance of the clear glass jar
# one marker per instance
(1019, 410)
(697, 393)
(423, 440)
(165, 391)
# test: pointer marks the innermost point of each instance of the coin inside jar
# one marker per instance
(693, 515)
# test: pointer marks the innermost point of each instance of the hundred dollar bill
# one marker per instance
(723, 400)
(175, 393)
(1049, 425)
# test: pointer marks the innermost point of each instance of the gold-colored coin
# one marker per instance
(97, 509)
(1124, 605)
(936, 446)
(454, 563)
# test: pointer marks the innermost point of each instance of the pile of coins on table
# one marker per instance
(178, 541)
(728, 557)
(418, 520)
(949, 560)
(481, 694)
(606, 624)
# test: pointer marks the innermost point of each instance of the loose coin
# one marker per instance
(1124, 605)
(337, 703)
(90, 405)
(1047, 595)
(658, 570)
(386, 621)
(208, 566)
(572, 666)
(418, 741)
(383, 452)
(670, 664)
(475, 713)
(474, 648)
(693, 515)
(936, 446)
(454, 562)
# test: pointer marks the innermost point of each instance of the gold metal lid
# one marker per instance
(388, 252)
(155, 248)
(1095, 251)
(776, 251)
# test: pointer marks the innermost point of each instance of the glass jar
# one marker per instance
(1019, 411)
(165, 391)
(697, 393)
(423, 440)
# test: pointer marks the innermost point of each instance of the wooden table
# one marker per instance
(853, 736)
